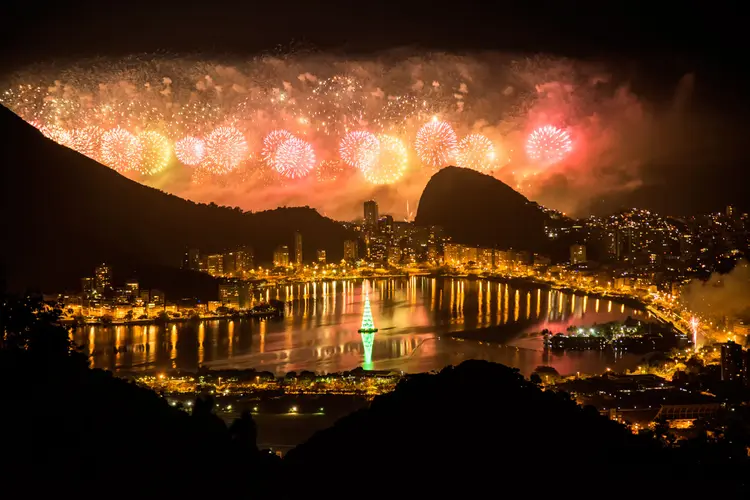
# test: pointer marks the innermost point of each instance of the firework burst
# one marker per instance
(190, 150)
(271, 144)
(87, 141)
(57, 134)
(121, 150)
(548, 144)
(476, 152)
(226, 148)
(436, 143)
(155, 152)
(392, 161)
(294, 159)
(359, 149)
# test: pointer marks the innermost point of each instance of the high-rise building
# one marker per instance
(215, 264)
(281, 256)
(103, 278)
(351, 250)
(192, 259)
(229, 264)
(298, 249)
(158, 297)
(321, 256)
(732, 359)
(371, 215)
(577, 254)
(730, 211)
(385, 227)
(244, 260)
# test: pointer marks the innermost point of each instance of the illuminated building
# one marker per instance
(732, 360)
(131, 288)
(321, 256)
(394, 254)
(385, 227)
(281, 256)
(157, 297)
(191, 260)
(371, 216)
(244, 260)
(103, 278)
(730, 211)
(453, 254)
(298, 249)
(577, 254)
(351, 250)
(215, 264)
(229, 295)
(145, 296)
(229, 264)
(470, 254)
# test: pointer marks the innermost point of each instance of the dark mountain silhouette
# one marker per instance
(481, 427)
(477, 209)
(63, 213)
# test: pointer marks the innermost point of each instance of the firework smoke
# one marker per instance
(219, 120)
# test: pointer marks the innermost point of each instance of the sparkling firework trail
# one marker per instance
(121, 150)
(57, 134)
(226, 148)
(548, 144)
(190, 150)
(329, 171)
(392, 161)
(436, 143)
(294, 159)
(476, 152)
(155, 152)
(359, 149)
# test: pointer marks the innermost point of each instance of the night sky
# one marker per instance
(652, 46)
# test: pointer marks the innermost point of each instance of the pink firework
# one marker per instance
(271, 144)
(360, 149)
(436, 143)
(294, 159)
(190, 150)
(548, 144)
(226, 148)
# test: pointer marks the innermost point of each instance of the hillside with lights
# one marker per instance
(63, 213)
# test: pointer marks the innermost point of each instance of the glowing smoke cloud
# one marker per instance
(232, 107)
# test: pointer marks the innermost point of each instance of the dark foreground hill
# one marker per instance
(481, 430)
(63, 213)
(477, 209)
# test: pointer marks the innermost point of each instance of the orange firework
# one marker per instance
(87, 141)
(121, 150)
(190, 150)
(477, 152)
(436, 143)
(155, 152)
(226, 148)
(392, 161)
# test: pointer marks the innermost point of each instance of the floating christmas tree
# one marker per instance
(368, 326)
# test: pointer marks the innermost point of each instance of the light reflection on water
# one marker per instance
(319, 331)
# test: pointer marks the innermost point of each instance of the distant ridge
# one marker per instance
(478, 209)
(62, 213)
